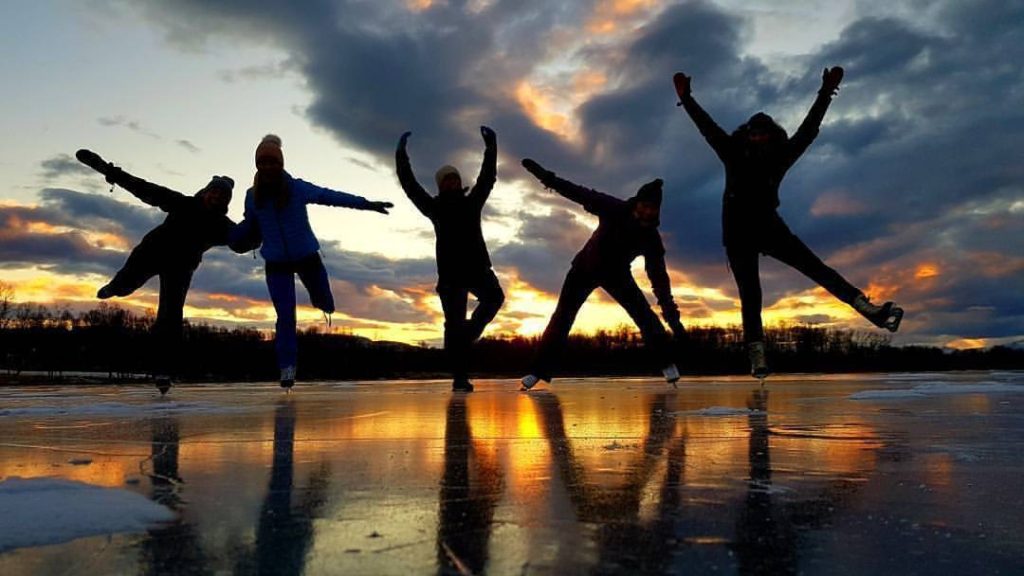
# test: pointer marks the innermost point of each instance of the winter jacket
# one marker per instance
(188, 230)
(285, 231)
(752, 181)
(618, 240)
(460, 247)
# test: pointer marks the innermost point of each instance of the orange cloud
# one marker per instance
(926, 270)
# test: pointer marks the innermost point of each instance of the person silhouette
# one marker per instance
(173, 250)
(463, 265)
(756, 157)
(626, 229)
(275, 211)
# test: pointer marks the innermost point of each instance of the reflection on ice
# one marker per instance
(593, 476)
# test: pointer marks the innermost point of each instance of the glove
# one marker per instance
(682, 83)
(830, 79)
(93, 160)
(490, 138)
(537, 170)
(403, 140)
(381, 207)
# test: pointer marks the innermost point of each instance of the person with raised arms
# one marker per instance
(756, 157)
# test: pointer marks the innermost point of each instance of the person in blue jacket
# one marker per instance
(275, 211)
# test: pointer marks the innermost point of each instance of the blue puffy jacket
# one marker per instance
(285, 231)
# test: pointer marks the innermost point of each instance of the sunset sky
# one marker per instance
(914, 189)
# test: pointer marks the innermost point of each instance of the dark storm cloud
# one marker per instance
(63, 165)
(98, 212)
(926, 126)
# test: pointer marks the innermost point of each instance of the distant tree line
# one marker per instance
(112, 340)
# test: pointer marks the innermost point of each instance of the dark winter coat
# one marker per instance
(460, 247)
(618, 240)
(188, 230)
(752, 179)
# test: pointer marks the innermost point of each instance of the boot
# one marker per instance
(886, 316)
(288, 377)
(671, 374)
(758, 362)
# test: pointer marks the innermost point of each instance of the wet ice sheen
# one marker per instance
(590, 476)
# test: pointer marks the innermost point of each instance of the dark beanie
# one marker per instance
(224, 183)
(650, 192)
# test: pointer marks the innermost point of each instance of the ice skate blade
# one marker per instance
(892, 322)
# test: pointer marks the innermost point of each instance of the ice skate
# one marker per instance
(671, 374)
(528, 382)
(758, 362)
(288, 377)
(887, 316)
(163, 383)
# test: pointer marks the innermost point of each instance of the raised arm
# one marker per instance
(808, 129)
(488, 170)
(592, 201)
(717, 138)
(654, 264)
(423, 201)
(314, 194)
(152, 194)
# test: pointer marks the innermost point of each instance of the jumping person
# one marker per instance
(172, 251)
(626, 229)
(756, 157)
(275, 210)
(463, 265)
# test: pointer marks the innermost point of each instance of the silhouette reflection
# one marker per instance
(284, 534)
(625, 542)
(469, 495)
(174, 548)
(768, 527)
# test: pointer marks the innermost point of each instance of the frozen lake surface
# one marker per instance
(847, 474)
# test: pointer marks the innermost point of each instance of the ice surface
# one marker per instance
(118, 409)
(938, 389)
(39, 511)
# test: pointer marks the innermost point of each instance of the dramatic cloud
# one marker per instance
(63, 165)
(913, 188)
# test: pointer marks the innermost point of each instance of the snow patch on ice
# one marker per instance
(720, 411)
(42, 511)
(119, 409)
(939, 389)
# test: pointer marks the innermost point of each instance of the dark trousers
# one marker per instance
(776, 240)
(165, 350)
(281, 284)
(459, 333)
(621, 286)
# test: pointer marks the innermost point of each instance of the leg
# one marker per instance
(625, 291)
(744, 265)
(575, 290)
(281, 285)
(453, 303)
(313, 276)
(167, 351)
(785, 247)
(137, 270)
(488, 293)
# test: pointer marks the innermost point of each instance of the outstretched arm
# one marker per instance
(423, 201)
(319, 195)
(592, 201)
(808, 129)
(152, 194)
(712, 132)
(488, 170)
(654, 264)
(245, 235)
